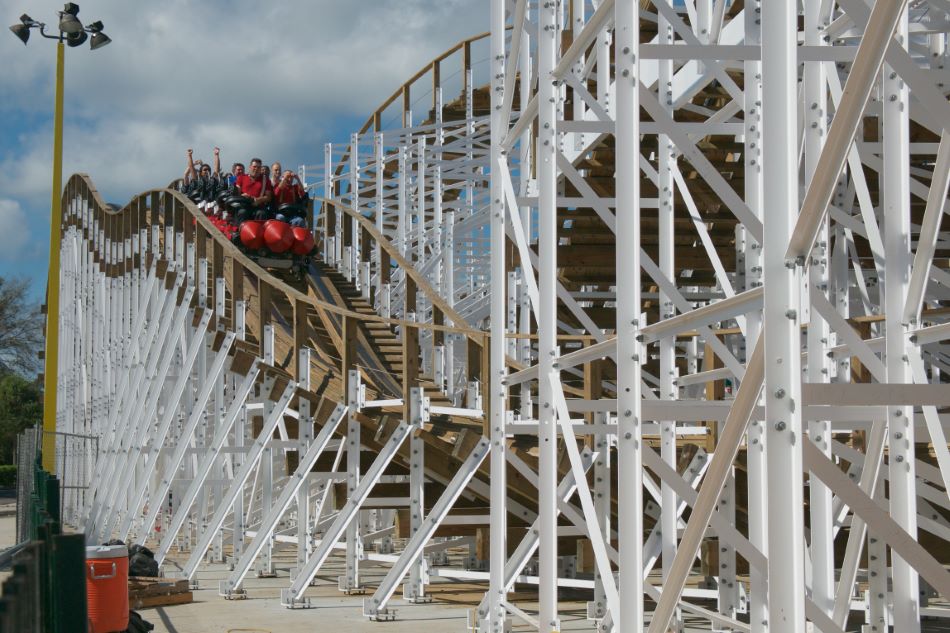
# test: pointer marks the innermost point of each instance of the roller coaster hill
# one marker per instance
(632, 310)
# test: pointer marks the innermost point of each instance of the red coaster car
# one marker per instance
(276, 245)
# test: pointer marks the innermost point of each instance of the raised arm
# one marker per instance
(217, 161)
(190, 173)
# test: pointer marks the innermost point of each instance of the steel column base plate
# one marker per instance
(379, 615)
(418, 600)
(343, 586)
(231, 594)
(288, 600)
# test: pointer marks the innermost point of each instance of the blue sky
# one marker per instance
(274, 79)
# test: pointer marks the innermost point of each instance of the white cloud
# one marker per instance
(14, 230)
(256, 78)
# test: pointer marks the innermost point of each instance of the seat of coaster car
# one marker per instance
(291, 210)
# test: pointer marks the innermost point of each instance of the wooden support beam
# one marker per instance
(348, 350)
(301, 337)
(410, 366)
(436, 84)
(466, 65)
(237, 290)
(385, 267)
(264, 305)
(715, 390)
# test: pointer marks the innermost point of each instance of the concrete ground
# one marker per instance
(7, 528)
(333, 612)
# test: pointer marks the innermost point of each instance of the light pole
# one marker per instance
(73, 33)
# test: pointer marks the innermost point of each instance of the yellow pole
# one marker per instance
(51, 356)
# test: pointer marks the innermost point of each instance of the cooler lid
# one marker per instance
(107, 551)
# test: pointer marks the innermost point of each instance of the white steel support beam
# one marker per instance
(204, 468)
(124, 482)
(305, 435)
(292, 597)
(528, 545)
(375, 606)
(814, 89)
(414, 589)
(548, 141)
(591, 520)
(350, 580)
(174, 463)
(630, 616)
(139, 421)
(666, 164)
(901, 543)
(162, 307)
(402, 202)
(272, 515)
(782, 279)
(755, 440)
(897, 250)
(867, 64)
(929, 232)
(719, 469)
(501, 100)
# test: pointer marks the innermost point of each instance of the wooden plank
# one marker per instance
(150, 602)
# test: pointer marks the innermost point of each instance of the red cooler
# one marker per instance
(107, 588)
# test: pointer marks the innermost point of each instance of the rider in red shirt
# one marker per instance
(290, 200)
(255, 185)
(288, 189)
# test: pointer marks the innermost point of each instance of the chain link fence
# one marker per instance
(27, 452)
(75, 467)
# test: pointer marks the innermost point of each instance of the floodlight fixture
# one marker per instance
(76, 39)
(69, 23)
(71, 31)
(22, 31)
(99, 39)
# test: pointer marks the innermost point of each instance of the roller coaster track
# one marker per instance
(505, 342)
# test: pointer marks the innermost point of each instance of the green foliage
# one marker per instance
(8, 476)
(21, 406)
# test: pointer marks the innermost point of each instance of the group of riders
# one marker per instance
(264, 212)
(258, 193)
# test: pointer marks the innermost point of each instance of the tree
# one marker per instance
(21, 328)
(21, 407)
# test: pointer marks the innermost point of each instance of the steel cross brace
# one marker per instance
(587, 503)
(375, 607)
(877, 519)
(142, 421)
(158, 440)
(123, 441)
(230, 587)
(204, 468)
(529, 544)
(226, 503)
(172, 465)
(106, 464)
(652, 546)
(131, 351)
(291, 597)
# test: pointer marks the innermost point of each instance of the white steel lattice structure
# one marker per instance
(658, 282)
